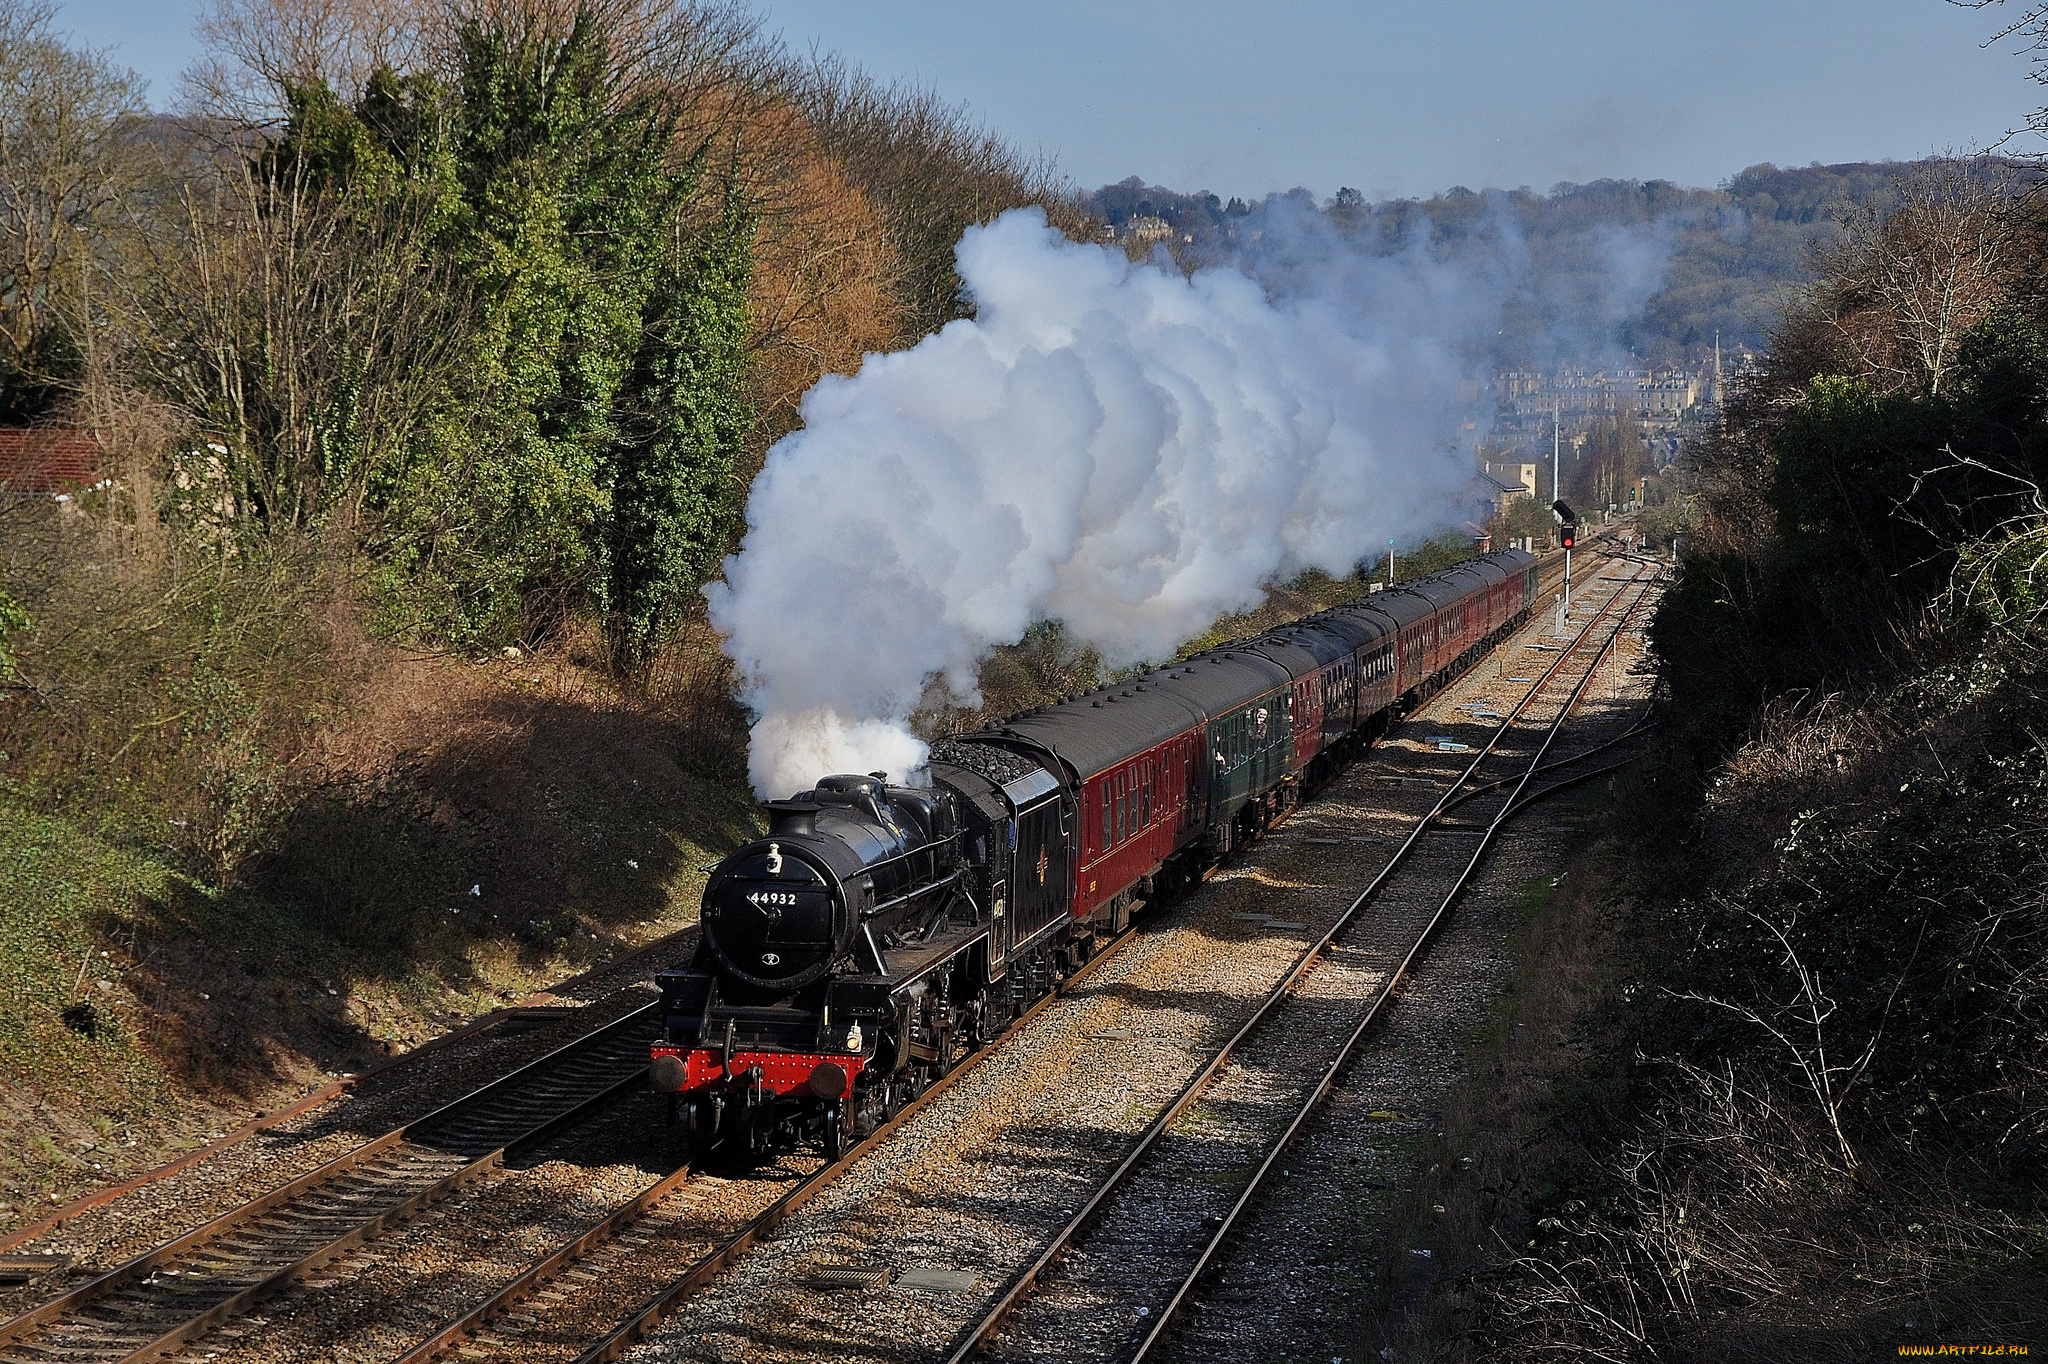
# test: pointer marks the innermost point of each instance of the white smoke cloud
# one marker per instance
(1128, 450)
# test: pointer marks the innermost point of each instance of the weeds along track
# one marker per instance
(171, 1296)
(1116, 1278)
(425, 1069)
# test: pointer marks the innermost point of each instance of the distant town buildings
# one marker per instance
(1517, 408)
(1516, 480)
(1145, 230)
(1668, 395)
(1498, 493)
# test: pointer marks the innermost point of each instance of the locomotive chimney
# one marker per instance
(787, 818)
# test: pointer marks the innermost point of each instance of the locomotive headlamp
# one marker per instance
(853, 1038)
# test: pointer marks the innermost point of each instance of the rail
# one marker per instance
(164, 1317)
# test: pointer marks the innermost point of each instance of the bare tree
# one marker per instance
(305, 337)
(932, 169)
(1907, 282)
(259, 49)
(74, 168)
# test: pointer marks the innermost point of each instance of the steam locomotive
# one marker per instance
(879, 933)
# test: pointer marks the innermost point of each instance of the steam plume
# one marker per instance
(1113, 445)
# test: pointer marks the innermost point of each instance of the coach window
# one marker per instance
(1104, 797)
(1145, 822)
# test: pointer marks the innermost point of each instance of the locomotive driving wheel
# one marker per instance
(836, 1135)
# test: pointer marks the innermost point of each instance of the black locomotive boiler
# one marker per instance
(879, 933)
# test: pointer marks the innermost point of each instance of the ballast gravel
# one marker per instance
(1308, 1266)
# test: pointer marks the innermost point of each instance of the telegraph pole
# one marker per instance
(1390, 563)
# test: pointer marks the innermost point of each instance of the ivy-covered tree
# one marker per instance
(582, 451)
(673, 494)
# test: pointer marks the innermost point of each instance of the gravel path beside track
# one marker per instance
(1301, 1273)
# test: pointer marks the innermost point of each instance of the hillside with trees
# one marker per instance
(1688, 263)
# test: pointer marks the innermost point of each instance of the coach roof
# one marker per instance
(1300, 651)
(1104, 728)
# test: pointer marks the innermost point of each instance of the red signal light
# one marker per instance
(1567, 536)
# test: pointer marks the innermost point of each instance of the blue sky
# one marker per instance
(1393, 98)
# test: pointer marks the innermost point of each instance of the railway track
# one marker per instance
(496, 1024)
(175, 1294)
(25, 1236)
(1144, 1238)
(547, 1312)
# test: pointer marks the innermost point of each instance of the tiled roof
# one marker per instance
(47, 460)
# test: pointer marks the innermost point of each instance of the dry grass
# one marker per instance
(239, 837)
(1792, 1113)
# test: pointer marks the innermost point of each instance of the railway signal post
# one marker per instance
(1567, 535)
